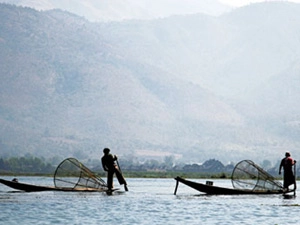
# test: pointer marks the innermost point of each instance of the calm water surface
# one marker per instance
(149, 201)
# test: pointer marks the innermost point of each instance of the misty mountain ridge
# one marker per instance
(120, 10)
(192, 86)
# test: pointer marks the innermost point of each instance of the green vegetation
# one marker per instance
(25, 166)
(210, 169)
(35, 166)
(172, 174)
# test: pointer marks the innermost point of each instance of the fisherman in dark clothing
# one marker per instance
(288, 175)
(108, 164)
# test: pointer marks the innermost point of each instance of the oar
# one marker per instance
(125, 185)
(175, 191)
(295, 185)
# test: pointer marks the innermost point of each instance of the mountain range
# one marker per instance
(192, 86)
(119, 10)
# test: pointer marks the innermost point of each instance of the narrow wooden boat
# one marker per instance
(34, 188)
(247, 179)
(215, 190)
(70, 175)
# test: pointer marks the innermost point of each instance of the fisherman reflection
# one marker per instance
(288, 176)
(108, 164)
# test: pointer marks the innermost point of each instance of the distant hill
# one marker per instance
(118, 10)
(194, 86)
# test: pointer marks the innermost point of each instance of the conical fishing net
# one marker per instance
(71, 173)
(249, 176)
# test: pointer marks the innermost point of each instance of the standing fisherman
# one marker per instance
(108, 164)
(288, 175)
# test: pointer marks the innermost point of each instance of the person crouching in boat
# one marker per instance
(288, 175)
(108, 164)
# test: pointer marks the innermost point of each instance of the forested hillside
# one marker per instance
(194, 86)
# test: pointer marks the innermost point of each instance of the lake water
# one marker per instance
(149, 201)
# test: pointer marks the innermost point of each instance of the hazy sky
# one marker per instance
(238, 3)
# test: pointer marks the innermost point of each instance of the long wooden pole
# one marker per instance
(125, 185)
(175, 191)
(295, 181)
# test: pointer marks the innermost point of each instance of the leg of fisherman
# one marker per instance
(110, 176)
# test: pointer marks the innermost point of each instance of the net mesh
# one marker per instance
(249, 176)
(71, 173)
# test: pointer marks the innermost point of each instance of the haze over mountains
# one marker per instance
(118, 10)
(193, 86)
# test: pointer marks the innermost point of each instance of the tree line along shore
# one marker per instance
(214, 169)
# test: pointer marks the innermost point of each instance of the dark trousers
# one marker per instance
(110, 177)
(288, 178)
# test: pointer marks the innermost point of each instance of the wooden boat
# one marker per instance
(70, 175)
(247, 179)
(215, 190)
(34, 188)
